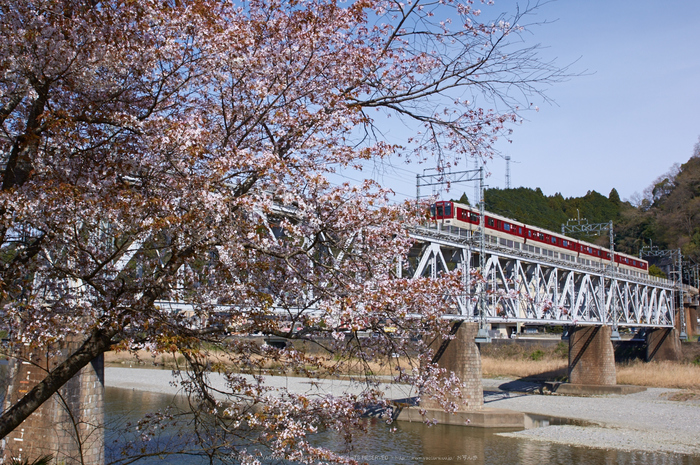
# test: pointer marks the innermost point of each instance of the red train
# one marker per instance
(510, 233)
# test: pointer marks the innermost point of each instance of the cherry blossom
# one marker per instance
(163, 151)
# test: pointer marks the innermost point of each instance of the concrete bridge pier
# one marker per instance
(70, 425)
(461, 356)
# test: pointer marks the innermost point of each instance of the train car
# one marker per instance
(507, 232)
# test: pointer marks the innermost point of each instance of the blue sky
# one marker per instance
(633, 112)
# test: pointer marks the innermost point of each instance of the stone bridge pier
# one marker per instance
(663, 344)
(462, 357)
(592, 364)
(70, 425)
(591, 356)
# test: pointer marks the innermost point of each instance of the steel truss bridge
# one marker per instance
(518, 286)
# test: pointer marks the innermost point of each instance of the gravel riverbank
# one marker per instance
(645, 421)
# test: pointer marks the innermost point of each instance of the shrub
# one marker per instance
(562, 349)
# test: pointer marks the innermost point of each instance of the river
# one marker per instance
(409, 443)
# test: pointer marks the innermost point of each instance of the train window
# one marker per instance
(554, 240)
(448, 210)
(564, 242)
(520, 230)
(475, 217)
(432, 211)
(490, 221)
(506, 227)
(439, 210)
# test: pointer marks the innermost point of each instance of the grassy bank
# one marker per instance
(682, 375)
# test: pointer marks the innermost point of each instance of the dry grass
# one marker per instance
(142, 358)
(326, 366)
(680, 375)
(494, 367)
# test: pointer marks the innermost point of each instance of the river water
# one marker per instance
(409, 443)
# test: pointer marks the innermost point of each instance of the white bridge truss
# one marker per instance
(517, 286)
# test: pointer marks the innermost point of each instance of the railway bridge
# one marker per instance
(510, 285)
(507, 285)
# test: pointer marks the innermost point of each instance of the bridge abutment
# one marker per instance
(591, 356)
(70, 425)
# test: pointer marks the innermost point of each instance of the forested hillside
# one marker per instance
(550, 212)
(667, 214)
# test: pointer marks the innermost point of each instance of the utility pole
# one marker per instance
(582, 226)
(482, 335)
(507, 171)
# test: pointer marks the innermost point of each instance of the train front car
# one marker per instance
(442, 211)
(454, 218)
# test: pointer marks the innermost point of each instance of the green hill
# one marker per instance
(531, 206)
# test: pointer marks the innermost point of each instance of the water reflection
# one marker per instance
(410, 443)
(126, 440)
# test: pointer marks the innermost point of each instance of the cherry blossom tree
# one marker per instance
(160, 151)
